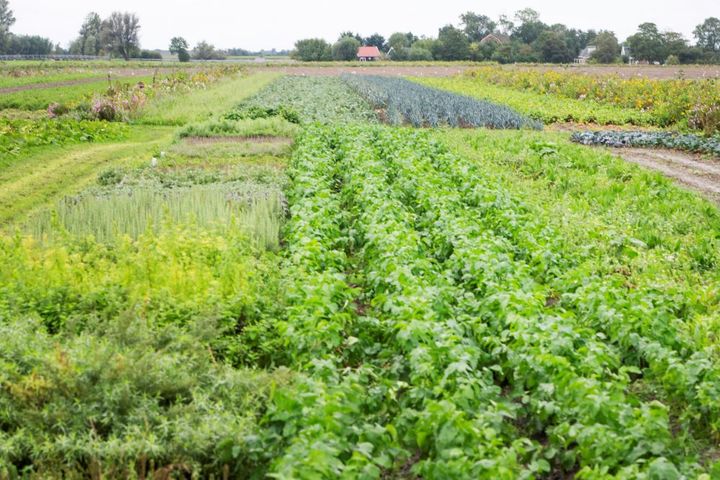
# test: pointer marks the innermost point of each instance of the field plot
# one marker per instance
(401, 101)
(679, 102)
(545, 108)
(306, 100)
(252, 277)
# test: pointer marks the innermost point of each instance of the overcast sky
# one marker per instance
(258, 24)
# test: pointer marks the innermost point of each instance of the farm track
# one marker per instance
(690, 170)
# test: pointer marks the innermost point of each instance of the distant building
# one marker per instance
(585, 55)
(369, 54)
(496, 38)
(626, 53)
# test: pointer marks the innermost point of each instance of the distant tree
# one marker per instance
(707, 35)
(120, 34)
(527, 15)
(89, 42)
(206, 51)
(607, 48)
(419, 54)
(345, 49)
(426, 43)
(480, 52)
(354, 35)
(530, 26)
(452, 44)
(376, 40)
(503, 53)
(312, 50)
(28, 45)
(7, 19)
(674, 44)
(150, 55)
(647, 44)
(552, 47)
(476, 26)
(506, 25)
(179, 46)
(524, 53)
(401, 40)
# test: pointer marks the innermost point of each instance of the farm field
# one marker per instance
(246, 273)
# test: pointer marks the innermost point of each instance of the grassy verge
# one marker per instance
(546, 108)
(39, 99)
(10, 81)
(51, 172)
(200, 105)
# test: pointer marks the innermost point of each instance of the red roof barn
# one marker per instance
(368, 54)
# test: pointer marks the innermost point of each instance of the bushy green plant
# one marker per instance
(687, 142)
(19, 136)
(307, 100)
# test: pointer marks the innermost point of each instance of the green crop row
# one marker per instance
(403, 102)
(543, 107)
(312, 99)
(440, 335)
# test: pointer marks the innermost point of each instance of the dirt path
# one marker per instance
(693, 171)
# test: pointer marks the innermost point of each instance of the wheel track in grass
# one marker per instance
(691, 170)
(32, 182)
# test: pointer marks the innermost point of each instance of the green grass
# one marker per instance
(43, 77)
(200, 105)
(219, 150)
(39, 99)
(546, 108)
(51, 172)
(20, 137)
(249, 208)
(261, 127)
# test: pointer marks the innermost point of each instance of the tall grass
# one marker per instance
(200, 105)
(261, 127)
(256, 210)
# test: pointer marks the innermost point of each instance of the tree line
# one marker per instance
(11, 44)
(524, 38)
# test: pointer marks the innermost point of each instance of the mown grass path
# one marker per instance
(49, 174)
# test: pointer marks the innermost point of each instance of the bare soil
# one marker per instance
(661, 72)
(694, 171)
(394, 70)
